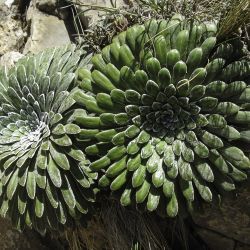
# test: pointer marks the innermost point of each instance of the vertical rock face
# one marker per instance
(11, 34)
(214, 240)
(91, 15)
(48, 6)
(10, 58)
(11, 239)
(46, 31)
(230, 220)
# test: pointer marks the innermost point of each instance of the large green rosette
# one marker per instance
(168, 114)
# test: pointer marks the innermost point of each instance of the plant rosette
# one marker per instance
(168, 114)
(45, 178)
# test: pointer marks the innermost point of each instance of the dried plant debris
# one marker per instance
(114, 20)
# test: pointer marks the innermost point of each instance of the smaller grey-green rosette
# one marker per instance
(45, 181)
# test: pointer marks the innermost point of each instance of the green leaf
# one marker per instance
(132, 96)
(232, 153)
(132, 131)
(208, 103)
(205, 171)
(12, 185)
(227, 108)
(67, 193)
(114, 169)
(215, 88)
(211, 140)
(75, 153)
(158, 177)
(39, 205)
(31, 184)
(153, 67)
(147, 151)
(52, 194)
(106, 135)
(197, 92)
(104, 101)
(119, 181)
(102, 81)
(119, 138)
(172, 206)
(168, 188)
(133, 162)
(217, 121)
(121, 119)
(126, 197)
(177, 147)
(142, 192)
(202, 188)
(185, 170)
(164, 77)
(22, 201)
(100, 163)
(41, 178)
(169, 156)
(63, 141)
(60, 159)
(139, 176)
(116, 152)
(153, 162)
(72, 129)
(187, 189)
(54, 172)
(218, 161)
(153, 199)
(152, 88)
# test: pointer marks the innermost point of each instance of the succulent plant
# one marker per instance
(45, 180)
(167, 114)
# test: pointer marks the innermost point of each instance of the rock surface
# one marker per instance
(12, 36)
(11, 239)
(47, 6)
(91, 16)
(231, 219)
(214, 240)
(10, 58)
(46, 31)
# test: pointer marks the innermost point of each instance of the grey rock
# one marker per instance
(240, 246)
(11, 239)
(10, 3)
(91, 16)
(48, 6)
(214, 240)
(12, 36)
(10, 58)
(46, 31)
(231, 219)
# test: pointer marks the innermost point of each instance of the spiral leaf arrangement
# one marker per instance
(45, 179)
(167, 114)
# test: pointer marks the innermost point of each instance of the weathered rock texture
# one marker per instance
(214, 240)
(11, 239)
(47, 6)
(91, 16)
(230, 220)
(12, 36)
(46, 31)
(10, 58)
